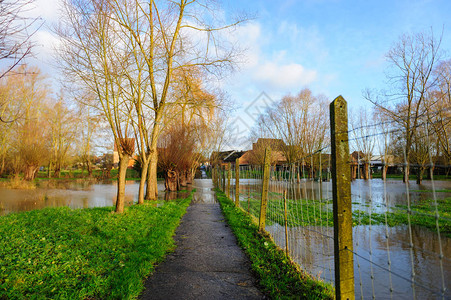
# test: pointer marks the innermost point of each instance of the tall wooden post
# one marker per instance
(229, 177)
(265, 185)
(286, 221)
(237, 182)
(223, 178)
(341, 188)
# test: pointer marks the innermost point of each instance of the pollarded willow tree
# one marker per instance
(127, 51)
(188, 136)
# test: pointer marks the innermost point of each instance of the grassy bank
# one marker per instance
(304, 212)
(61, 253)
(278, 276)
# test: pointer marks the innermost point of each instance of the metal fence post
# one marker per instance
(237, 182)
(265, 185)
(341, 188)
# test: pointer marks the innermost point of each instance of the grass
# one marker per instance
(430, 191)
(411, 176)
(278, 276)
(305, 212)
(422, 214)
(61, 253)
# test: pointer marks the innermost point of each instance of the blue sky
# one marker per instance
(334, 47)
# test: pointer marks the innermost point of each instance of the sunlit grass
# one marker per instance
(305, 212)
(61, 253)
(277, 274)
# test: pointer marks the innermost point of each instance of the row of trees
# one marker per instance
(296, 126)
(43, 129)
(413, 114)
(146, 64)
(408, 124)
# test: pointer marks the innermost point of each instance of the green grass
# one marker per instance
(278, 276)
(422, 214)
(305, 212)
(430, 191)
(61, 253)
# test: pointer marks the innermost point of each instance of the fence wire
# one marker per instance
(402, 244)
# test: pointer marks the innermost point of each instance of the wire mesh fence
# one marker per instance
(401, 233)
(397, 254)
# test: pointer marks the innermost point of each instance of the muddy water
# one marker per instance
(312, 247)
(72, 194)
(83, 195)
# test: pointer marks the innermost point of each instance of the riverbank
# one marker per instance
(278, 276)
(85, 253)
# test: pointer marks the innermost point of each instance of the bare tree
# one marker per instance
(363, 132)
(62, 131)
(300, 121)
(413, 59)
(144, 43)
(27, 136)
(92, 57)
(439, 108)
(15, 33)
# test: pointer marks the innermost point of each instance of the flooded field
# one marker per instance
(384, 261)
(72, 194)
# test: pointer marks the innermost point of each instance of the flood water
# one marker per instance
(312, 247)
(72, 194)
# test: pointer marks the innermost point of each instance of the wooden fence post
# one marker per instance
(223, 178)
(286, 221)
(341, 188)
(229, 177)
(237, 182)
(265, 185)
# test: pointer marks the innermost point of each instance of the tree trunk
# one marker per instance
(171, 181)
(183, 178)
(405, 178)
(384, 172)
(366, 171)
(120, 201)
(89, 167)
(142, 182)
(2, 167)
(420, 174)
(30, 172)
(152, 189)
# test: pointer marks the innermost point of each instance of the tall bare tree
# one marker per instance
(92, 56)
(363, 132)
(412, 59)
(146, 43)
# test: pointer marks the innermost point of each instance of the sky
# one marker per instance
(333, 47)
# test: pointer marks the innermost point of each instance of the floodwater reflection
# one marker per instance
(85, 194)
(312, 248)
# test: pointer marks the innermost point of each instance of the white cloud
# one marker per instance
(48, 10)
(284, 75)
(249, 38)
